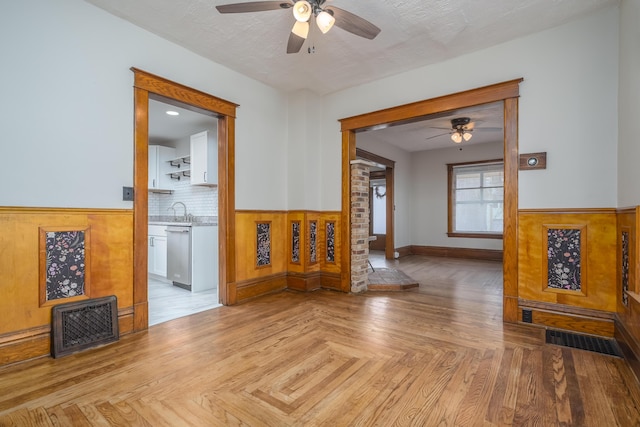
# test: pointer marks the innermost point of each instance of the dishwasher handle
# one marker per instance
(178, 229)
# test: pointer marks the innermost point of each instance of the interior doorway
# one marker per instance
(507, 93)
(385, 173)
(180, 211)
(148, 86)
(378, 210)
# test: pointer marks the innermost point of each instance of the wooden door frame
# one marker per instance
(389, 165)
(508, 93)
(148, 86)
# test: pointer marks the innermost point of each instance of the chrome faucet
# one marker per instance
(173, 206)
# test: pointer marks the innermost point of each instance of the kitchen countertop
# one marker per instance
(197, 221)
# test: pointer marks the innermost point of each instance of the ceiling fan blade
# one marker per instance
(295, 43)
(436, 136)
(489, 129)
(256, 6)
(353, 23)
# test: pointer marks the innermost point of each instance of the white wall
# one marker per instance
(568, 108)
(429, 194)
(67, 110)
(303, 152)
(67, 119)
(420, 185)
(629, 105)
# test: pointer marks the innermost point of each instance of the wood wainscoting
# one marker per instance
(591, 307)
(628, 306)
(25, 329)
(304, 253)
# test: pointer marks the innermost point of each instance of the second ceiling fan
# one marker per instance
(461, 128)
(303, 11)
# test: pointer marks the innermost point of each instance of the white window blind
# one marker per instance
(477, 198)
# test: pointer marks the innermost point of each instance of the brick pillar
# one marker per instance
(359, 225)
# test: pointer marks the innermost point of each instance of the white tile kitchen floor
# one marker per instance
(167, 302)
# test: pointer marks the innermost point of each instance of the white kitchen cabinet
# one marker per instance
(157, 250)
(204, 159)
(159, 168)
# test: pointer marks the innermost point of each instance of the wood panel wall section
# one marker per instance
(253, 280)
(590, 310)
(330, 278)
(25, 329)
(305, 274)
(628, 309)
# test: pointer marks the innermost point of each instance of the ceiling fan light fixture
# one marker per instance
(301, 29)
(302, 11)
(456, 137)
(467, 136)
(325, 21)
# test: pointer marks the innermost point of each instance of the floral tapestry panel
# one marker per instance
(65, 264)
(625, 268)
(313, 235)
(563, 257)
(331, 241)
(263, 252)
(295, 241)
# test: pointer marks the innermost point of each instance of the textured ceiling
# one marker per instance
(414, 33)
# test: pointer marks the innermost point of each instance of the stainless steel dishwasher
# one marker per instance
(179, 255)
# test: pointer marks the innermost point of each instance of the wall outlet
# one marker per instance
(127, 194)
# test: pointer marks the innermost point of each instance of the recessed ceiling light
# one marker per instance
(173, 113)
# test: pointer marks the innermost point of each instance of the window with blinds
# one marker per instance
(476, 199)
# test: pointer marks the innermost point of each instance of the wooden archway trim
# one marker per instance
(146, 86)
(507, 92)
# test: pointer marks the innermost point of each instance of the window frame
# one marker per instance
(451, 202)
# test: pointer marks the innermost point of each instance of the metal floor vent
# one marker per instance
(583, 342)
(80, 325)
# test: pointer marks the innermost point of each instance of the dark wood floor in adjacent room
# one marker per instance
(435, 355)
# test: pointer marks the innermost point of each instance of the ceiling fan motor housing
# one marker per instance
(460, 122)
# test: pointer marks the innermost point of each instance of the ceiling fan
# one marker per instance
(461, 129)
(303, 10)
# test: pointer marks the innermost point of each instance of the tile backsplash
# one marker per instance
(200, 201)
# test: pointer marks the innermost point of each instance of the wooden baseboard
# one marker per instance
(125, 320)
(465, 253)
(24, 345)
(629, 346)
(403, 251)
(304, 282)
(575, 319)
(254, 288)
(331, 281)
(36, 342)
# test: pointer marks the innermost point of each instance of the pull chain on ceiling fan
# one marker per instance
(303, 10)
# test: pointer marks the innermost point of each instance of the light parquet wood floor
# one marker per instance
(438, 355)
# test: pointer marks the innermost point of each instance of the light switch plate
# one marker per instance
(127, 194)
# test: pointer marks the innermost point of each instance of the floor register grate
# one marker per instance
(583, 342)
(83, 324)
